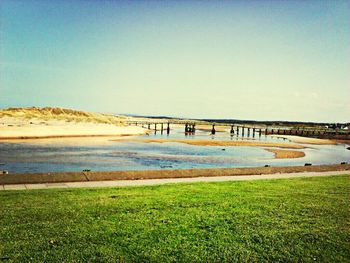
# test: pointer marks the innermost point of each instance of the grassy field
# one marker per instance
(296, 220)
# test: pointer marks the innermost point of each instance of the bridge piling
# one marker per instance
(213, 129)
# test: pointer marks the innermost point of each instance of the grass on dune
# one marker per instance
(61, 114)
(304, 219)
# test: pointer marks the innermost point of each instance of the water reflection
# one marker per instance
(102, 154)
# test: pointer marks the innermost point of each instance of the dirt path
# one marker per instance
(123, 183)
(60, 177)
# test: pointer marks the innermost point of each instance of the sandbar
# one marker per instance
(306, 140)
(286, 154)
(219, 143)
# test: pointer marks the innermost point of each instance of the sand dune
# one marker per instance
(69, 115)
(31, 123)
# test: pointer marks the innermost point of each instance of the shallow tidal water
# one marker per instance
(103, 154)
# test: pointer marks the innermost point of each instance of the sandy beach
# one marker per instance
(50, 124)
(36, 123)
(57, 129)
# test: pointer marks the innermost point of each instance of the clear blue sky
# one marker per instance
(264, 60)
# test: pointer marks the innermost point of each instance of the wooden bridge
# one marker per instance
(243, 130)
(190, 127)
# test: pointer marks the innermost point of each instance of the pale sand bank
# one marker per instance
(220, 143)
(286, 154)
(15, 128)
(305, 140)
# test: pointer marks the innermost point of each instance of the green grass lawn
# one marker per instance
(302, 219)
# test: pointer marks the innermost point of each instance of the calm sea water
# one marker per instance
(102, 154)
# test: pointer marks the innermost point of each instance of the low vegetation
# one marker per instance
(295, 220)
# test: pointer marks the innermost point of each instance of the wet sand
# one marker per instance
(342, 141)
(7, 179)
(220, 143)
(286, 154)
(306, 140)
